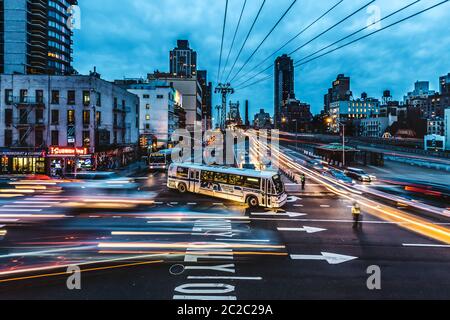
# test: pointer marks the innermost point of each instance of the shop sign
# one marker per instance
(67, 151)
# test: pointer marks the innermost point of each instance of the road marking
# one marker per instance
(324, 205)
(20, 210)
(174, 203)
(331, 258)
(298, 205)
(192, 203)
(242, 240)
(37, 202)
(24, 206)
(304, 229)
(426, 245)
(218, 204)
(289, 214)
(223, 278)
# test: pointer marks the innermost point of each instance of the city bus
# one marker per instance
(161, 160)
(255, 188)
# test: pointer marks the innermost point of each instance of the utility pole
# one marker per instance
(224, 90)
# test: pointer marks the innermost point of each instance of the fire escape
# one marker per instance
(24, 124)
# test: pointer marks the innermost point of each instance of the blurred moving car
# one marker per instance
(98, 180)
(338, 175)
(358, 174)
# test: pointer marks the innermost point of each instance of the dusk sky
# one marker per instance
(130, 38)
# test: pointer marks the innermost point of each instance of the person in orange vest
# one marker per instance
(356, 213)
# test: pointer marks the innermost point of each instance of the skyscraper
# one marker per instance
(35, 37)
(206, 99)
(284, 86)
(183, 60)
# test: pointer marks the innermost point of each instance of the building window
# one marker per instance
(86, 117)
(160, 96)
(23, 116)
(147, 126)
(55, 117)
(8, 138)
(39, 138)
(147, 117)
(23, 96)
(86, 139)
(39, 96)
(146, 96)
(8, 117)
(98, 118)
(147, 106)
(55, 138)
(39, 116)
(99, 99)
(115, 103)
(71, 97)
(70, 117)
(86, 98)
(8, 96)
(55, 96)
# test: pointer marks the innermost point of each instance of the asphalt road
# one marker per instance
(173, 248)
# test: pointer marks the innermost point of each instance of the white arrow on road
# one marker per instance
(304, 229)
(331, 258)
(271, 213)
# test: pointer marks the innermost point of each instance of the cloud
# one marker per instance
(129, 38)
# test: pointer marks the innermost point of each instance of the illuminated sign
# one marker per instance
(62, 151)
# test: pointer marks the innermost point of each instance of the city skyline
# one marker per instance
(128, 51)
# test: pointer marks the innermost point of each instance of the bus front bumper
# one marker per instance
(280, 201)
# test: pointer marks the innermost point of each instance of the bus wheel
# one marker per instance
(252, 202)
(182, 188)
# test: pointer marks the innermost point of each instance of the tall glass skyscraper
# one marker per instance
(284, 86)
(35, 36)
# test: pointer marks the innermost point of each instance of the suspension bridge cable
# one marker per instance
(265, 38)
(289, 41)
(246, 38)
(358, 31)
(234, 39)
(223, 36)
(318, 36)
(352, 42)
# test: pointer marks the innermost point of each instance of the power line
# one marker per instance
(320, 34)
(362, 29)
(353, 41)
(246, 38)
(234, 39)
(265, 38)
(223, 35)
(290, 40)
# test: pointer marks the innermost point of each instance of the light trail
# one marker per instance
(412, 223)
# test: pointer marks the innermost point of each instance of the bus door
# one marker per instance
(194, 180)
(267, 191)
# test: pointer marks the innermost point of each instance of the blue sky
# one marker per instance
(129, 38)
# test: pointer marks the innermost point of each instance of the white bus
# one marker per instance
(256, 188)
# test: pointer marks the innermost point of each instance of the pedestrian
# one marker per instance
(356, 213)
(303, 180)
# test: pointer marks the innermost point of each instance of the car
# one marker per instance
(338, 175)
(358, 174)
(97, 180)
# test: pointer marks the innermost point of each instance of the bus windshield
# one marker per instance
(157, 159)
(279, 188)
